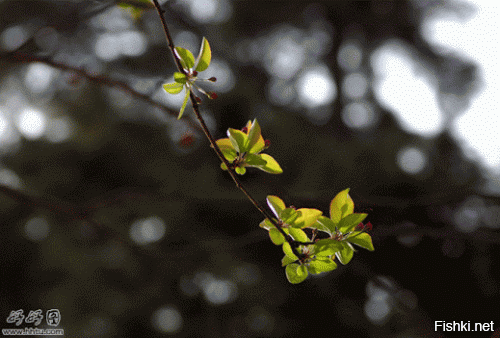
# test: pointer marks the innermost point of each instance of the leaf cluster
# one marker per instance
(190, 69)
(344, 228)
(242, 149)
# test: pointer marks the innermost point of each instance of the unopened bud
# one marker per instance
(195, 73)
(369, 226)
(198, 99)
(267, 143)
(244, 129)
(213, 79)
(212, 96)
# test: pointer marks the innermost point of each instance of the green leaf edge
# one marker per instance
(186, 57)
(204, 57)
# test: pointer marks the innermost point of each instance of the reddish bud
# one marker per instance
(244, 129)
(212, 96)
(195, 73)
(360, 226)
(369, 226)
(198, 99)
(267, 143)
(213, 79)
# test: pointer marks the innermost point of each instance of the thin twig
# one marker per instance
(214, 145)
(99, 79)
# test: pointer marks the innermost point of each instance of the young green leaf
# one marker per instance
(238, 139)
(276, 236)
(322, 264)
(288, 215)
(240, 170)
(258, 146)
(271, 165)
(254, 133)
(173, 88)
(345, 254)
(254, 160)
(296, 273)
(325, 224)
(349, 222)
(327, 247)
(302, 271)
(287, 249)
(363, 240)
(180, 78)
(306, 218)
(204, 57)
(266, 224)
(286, 260)
(186, 57)
(341, 206)
(298, 235)
(227, 149)
(184, 104)
(276, 205)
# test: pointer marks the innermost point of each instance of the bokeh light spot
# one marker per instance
(147, 230)
(13, 37)
(10, 178)
(354, 85)
(38, 77)
(468, 216)
(285, 55)
(132, 43)
(358, 115)
(219, 292)
(315, 87)
(411, 160)
(377, 311)
(31, 123)
(107, 47)
(167, 319)
(350, 55)
(36, 229)
(210, 11)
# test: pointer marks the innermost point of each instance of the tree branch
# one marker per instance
(99, 79)
(214, 145)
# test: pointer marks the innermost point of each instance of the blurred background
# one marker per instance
(118, 215)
